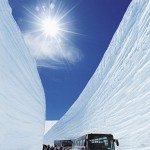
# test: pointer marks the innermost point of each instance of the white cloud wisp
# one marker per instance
(52, 53)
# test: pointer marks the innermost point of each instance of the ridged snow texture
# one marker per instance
(22, 105)
(117, 98)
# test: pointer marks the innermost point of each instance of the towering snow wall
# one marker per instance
(22, 105)
(117, 98)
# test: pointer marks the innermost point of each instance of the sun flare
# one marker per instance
(51, 20)
(50, 27)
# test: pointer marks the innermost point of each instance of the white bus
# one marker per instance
(95, 142)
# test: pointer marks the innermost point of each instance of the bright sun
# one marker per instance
(52, 21)
(50, 27)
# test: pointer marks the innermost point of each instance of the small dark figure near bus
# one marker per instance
(48, 147)
(52, 148)
(44, 147)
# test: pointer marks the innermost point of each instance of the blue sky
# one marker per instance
(64, 76)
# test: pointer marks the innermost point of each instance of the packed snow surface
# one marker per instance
(49, 124)
(116, 100)
(22, 105)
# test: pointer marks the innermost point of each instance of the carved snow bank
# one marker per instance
(22, 102)
(116, 100)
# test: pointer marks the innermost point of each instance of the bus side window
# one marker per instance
(83, 142)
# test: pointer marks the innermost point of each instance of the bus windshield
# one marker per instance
(102, 142)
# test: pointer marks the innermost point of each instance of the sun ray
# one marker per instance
(72, 32)
(32, 14)
(36, 31)
(31, 22)
(58, 9)
(67, 13)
